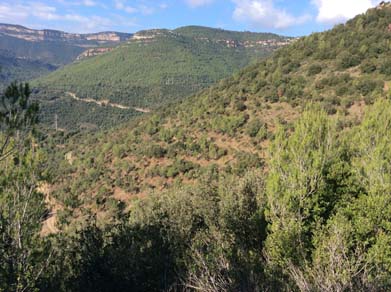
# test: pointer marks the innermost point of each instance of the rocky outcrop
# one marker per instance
(384, 4)
(146, 36)
(94, 52)
(33, 35)
(272, 43)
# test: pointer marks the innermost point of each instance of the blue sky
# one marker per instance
(288, 17)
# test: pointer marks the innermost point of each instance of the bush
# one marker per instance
(119, 151)
(386, 68)
(314, 70)
(254, 127)
(347, 60)
(245, 161)
(240, 106)
(341, 91)
(368, 67)
(178, 167)
(367, 86)
(155, 151)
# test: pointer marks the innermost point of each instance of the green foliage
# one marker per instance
(368, 85)
(296, 186)
(347, 60)
(23, 253)
(314, 69)
(229, 124)
(16, 111)
(172, 240)
(13, 68)
(358, 235)
(256, 128)
(385, 68)
(368, 66)
(318, 220)
(373, 149)
(155, 151)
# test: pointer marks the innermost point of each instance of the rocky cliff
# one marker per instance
(33, 35)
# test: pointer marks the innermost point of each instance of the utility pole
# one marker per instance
(56, 122)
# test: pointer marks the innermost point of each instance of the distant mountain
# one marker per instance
(152, 68)
(26, 53)
(92, 39)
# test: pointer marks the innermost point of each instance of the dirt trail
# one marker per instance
(49, 225)
(106, 102)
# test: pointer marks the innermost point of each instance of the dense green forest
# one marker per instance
(154, 68)
(12, 68)
(276, 179)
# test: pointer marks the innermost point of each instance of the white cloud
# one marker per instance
(19, 12)
(198, 3)
(263, 13)
(138, 8)
(89, 3)
(121, 5)
(43, 11)
(337, 11)
(31, 12)
(10, 14)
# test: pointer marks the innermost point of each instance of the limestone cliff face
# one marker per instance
(33, 35)
(94, 52)
(105, 37)
(384, 5)
(147, 36)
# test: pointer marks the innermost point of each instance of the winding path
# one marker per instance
(106, 102)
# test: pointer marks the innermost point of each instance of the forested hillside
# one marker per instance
(12, 68)
(276, 179)
(155, 67)
(27, 54)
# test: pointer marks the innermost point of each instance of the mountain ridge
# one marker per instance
(28, 34)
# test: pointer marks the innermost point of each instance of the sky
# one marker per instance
(286, 17)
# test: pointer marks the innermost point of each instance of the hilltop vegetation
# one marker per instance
(200, 32)
(154, 68)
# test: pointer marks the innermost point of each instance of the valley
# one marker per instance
(156, 67)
